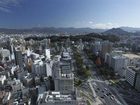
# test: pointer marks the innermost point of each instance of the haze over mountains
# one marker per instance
(53, 30)
(130, 29)
(114, 31)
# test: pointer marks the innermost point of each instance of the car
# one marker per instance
(112, 97)
(102, 91)
(109, 93)
(105, 88)
(102, 97)
(98, 89)
(105, 95)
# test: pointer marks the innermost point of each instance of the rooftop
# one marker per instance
(54, 97)
(66, 56)
(38, 61)
(135, 68)
(67, 76)
(119, 57)
(131, 56)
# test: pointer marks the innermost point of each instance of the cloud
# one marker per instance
(90, 22)
(4, 9)
(104, 25)
(5, 5)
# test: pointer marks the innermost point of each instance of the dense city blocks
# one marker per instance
(68, 71)
(69, 52)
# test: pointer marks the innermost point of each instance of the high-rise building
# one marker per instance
(18, 58)
(118, 63)
(97, 47)
(63, 76)
(106, 48)
(47, 54)
(133, 76)
(47, 43)
(39, 68)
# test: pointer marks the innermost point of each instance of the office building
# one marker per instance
(18, 58)
(63, 76)
(119, 63)
(105, 48)
(133, 76)
(39, 68)
(97, 47)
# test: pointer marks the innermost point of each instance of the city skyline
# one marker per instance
(103, 14)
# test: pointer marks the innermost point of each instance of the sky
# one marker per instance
(102, 14)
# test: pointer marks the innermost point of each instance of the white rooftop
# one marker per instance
(54, 97)
(131, 56)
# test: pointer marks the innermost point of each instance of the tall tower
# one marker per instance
(18, 58)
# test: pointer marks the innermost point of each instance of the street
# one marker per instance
(100, 87)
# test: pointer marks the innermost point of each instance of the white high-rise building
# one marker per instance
(39, 68)
(119, 63)
(2, 79)
(47, 54)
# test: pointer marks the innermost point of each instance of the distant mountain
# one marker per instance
(130, 29)
(71, 30)
(137, 33)
(80, 30)
(52, 30)
(116, 31)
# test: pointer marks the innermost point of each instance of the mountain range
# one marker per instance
(51, 30)
(114, 31)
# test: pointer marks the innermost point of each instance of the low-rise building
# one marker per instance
(133, 59)
(5, 54)
(16, 85)
(56, 98)
(2, 79)
(4, 97)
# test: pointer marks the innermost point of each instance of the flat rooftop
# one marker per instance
(119, 57)
(131, 56)
(54, 97)
(135, 68)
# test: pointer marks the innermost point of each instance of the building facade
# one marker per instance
(133, 77)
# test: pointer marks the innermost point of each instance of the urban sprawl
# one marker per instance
(69, 70)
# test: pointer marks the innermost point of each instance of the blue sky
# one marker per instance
(69, 13)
